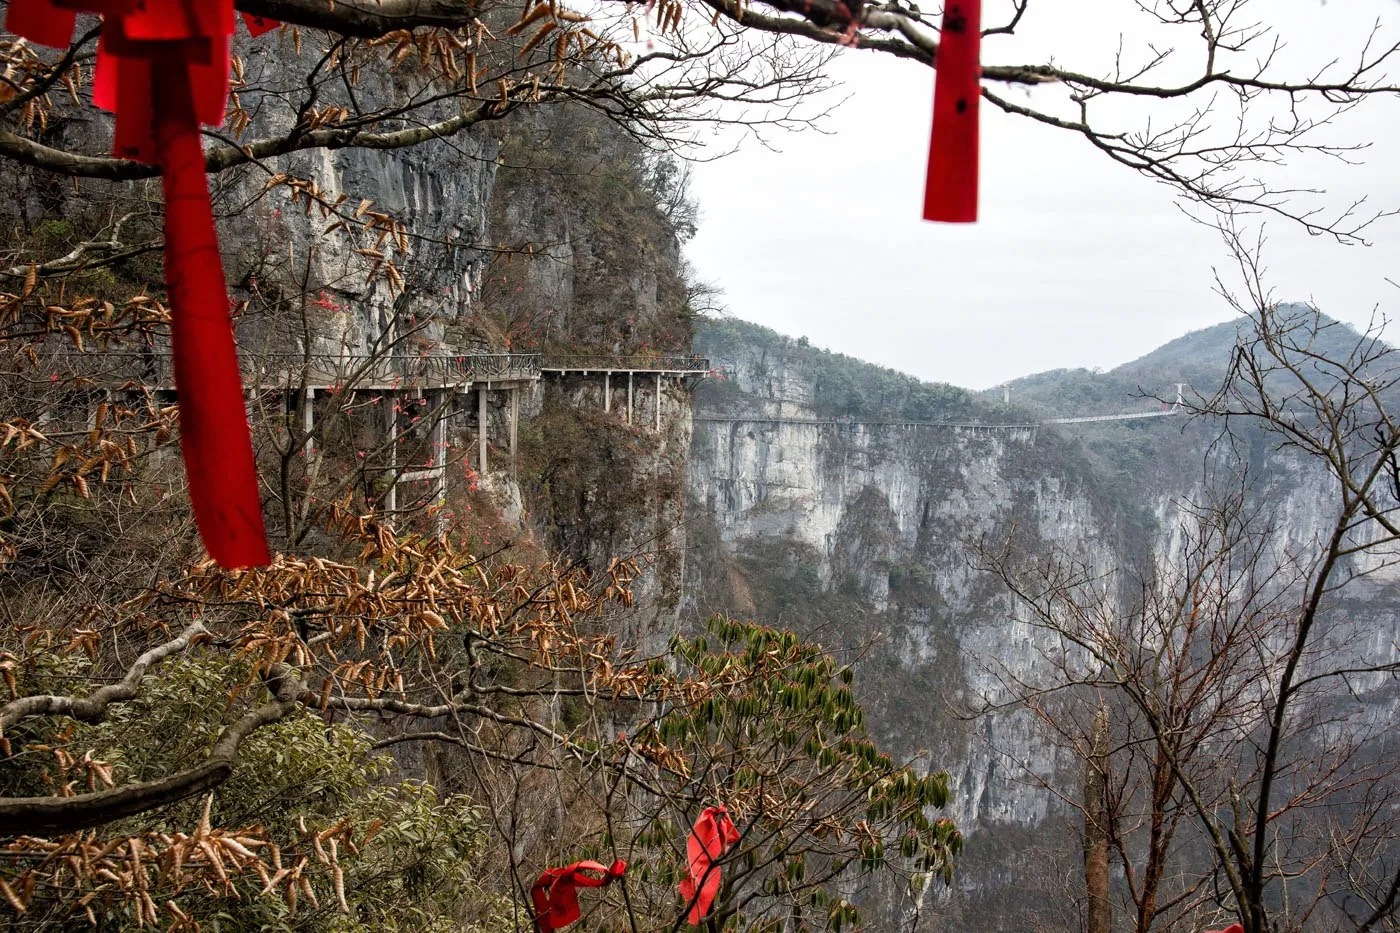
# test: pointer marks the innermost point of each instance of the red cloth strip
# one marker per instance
(104, 78)
(555, 894)
(710, 838)
(214, 433)
(103, 8)
(163, 67)
(166, 20)
(257, 25)
(41, 21)
(134, 135)
(206, 65)
(950, 192)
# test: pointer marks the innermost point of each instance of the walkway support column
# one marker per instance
(658, 401)
(629, 396)
(308, 420)
(481, 430)
(607, 392)
(438, 457)
(514, 425)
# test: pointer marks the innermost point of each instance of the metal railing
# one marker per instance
(1121, 416)
(596, 363)
(155, 368)
(847, 421)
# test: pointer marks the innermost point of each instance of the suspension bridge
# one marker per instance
(1164, 411)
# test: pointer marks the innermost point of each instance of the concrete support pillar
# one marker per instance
(514, 424)
(438, 446)
(481, 430)
(658, 401)
(308, 420)
(629, 397)
(607, 392)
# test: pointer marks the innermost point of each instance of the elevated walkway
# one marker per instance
(375, 373)
(654, 369)
(665, 366)
(845, 422)
(306, 383)
(992, 426)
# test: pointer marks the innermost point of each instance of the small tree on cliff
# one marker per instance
(1225, 699)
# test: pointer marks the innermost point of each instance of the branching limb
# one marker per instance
(94, 707)
(53, 815)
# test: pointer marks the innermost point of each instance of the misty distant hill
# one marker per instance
(845, 386)
(1199, 359)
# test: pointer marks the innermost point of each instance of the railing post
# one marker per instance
(629, 396)
(658, 402)
(607, 392)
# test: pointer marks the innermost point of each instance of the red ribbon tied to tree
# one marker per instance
(163, 67)
(1232, 928)
(950, 192)
(555, 894)
(711, 837)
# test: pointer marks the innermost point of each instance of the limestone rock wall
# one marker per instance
(865, 536)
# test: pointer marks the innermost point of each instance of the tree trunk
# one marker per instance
(1099, 916)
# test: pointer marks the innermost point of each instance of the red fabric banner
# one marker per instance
(950, 192)
(162, 66)
(41, 21)
(710, 838)
(257, 25)
(214, 432)
(555, 894)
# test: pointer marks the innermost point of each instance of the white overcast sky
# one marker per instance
(1076, 261)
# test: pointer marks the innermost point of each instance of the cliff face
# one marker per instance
(857, 533)
(540, 234)
(814, 501)
(584, 258)
(285, 252)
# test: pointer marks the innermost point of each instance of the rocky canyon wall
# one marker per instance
(818, 501)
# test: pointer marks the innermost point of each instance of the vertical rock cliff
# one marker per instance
(850, 502)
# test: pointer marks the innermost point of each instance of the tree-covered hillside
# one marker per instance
(841, 384)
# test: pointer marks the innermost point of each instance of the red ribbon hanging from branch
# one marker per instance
(257, 25)
(555, 894)
(711, 837)
(950, 192)
(162, 66)
(1232, 928)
